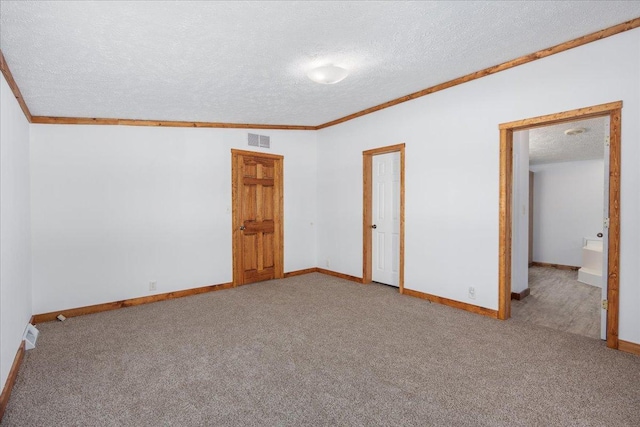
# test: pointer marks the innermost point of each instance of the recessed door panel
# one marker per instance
(267, 242)
(250, 249)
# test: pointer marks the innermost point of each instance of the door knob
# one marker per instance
(242, 227)
(374, 226)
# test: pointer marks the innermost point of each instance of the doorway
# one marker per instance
(383, 215)
(613, 112)
(559, 240)
(257, 211)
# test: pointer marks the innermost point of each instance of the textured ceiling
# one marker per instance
(550, 145)
(246, 62)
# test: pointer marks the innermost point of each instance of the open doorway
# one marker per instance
(559, 237)
(614, 113)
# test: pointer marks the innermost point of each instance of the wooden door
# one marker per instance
(386, 218)
(257, 195)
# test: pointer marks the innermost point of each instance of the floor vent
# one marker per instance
(30, 337)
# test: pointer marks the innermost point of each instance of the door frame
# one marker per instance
(367, 214)
(614, 111)
(236, 220)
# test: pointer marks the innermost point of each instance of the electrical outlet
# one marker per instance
(152, 285)
(472, 292)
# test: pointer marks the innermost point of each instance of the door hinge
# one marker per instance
(605, 304)
(607, 141)
(606, 223)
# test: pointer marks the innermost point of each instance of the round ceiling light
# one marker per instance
(574, 131)
(328, 74)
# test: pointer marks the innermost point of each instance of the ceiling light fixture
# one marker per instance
(574, 131)
(328, 74)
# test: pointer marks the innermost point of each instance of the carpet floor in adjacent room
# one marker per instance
(559, 301)
(317, 350)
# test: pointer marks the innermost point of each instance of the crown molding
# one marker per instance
(6, 72)
(160, 123)
(580, 41)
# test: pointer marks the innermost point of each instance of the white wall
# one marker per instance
(520, 213)
(15, 256)
(115, 207)
(452, 170)
(568, 206)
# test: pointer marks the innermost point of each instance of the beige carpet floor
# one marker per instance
(317, 350)
(559, 301)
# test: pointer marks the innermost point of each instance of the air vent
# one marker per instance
(265, 141)
(254, 140)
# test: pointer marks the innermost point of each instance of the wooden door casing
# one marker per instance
(614, 111)
(257, 193)
(367, 214)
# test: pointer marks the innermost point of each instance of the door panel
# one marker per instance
(605, 236)
(267, 243)
(379, 266)
(250, 251)
(386, 217)
(395, 267)
(257, 217)
(267, 202)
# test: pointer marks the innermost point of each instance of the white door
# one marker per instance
(605, 235)
(386, 218)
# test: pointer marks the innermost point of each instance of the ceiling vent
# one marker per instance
(262, 141)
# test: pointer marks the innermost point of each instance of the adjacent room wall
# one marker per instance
(15, 255)
(452, 170)
(520, 213)
(116, 207)
(569, 207)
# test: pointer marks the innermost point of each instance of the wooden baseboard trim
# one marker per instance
(301, 272)
(11, 380)
(629, 347)
(452, 303)
(91, 309)
(81, 311)
(558, 266)
(340, 275)
(520, 295)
